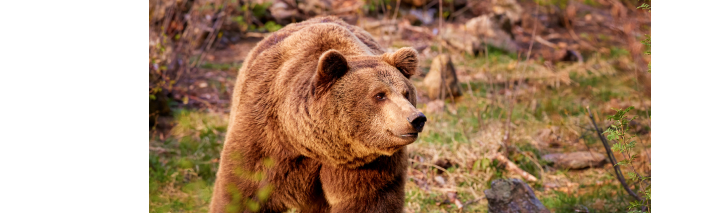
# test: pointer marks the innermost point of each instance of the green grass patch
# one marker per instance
(606, 198)
(183, 166)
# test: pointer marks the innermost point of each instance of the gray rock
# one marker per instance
(513, 196)
(575, 160)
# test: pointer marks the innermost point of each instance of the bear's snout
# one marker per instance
(417, 120)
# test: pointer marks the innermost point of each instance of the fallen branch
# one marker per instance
(157, 149)
(510, 166)
(545, 42)
(473, 201)
(575, 37)
(618, 172)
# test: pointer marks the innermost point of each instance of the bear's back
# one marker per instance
(291, 54)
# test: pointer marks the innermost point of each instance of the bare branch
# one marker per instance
(618, 172)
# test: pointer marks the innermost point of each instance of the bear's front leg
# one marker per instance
(376, 187)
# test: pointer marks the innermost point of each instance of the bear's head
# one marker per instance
(367, 104)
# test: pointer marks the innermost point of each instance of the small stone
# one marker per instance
(440, 180)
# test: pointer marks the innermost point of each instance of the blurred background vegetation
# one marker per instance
(518, 81)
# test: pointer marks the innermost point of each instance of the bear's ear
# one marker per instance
(404, 59)
(332, 66)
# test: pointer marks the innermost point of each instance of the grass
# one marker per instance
(183, 163)
(599, 199)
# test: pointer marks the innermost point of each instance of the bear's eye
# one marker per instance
(407, 95)
(380, 96)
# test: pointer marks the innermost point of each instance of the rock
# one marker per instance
(440, 180)
(418, 17)
(508, 8)
(480, 7)
(549, 137)
(576, 160)
(489, 32)
(492, 27)
(512, 195)
(433, 80)
(414, 34)
(286, 12)
(456, 37)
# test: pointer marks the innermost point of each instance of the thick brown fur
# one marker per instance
(320, 115)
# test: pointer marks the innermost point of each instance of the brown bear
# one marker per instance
(319, 122)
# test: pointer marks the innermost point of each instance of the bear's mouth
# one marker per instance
(409, 135)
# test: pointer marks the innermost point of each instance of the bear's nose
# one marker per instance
(417, 120)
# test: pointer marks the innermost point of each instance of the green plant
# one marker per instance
(619, 131)
(252, 15)
(647, 42)
(645, 6)
(272, 26)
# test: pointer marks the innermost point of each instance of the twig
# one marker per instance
(442, 76)
(493, 101)
(510, 166)
(618, 172)
(480, 114)
(473, 201)
(157, 149)
(467, 82)
(506, 137)
(397, 7)
(542, 171)
(432, 3)
(382, 5)
(394, 23)
(513, 96)
(216, 29)
(459, 12)
(430, 165)
(573, 35)
(545, 42)
(206, 103)
(532, 41)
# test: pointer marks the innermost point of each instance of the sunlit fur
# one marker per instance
(307, 98)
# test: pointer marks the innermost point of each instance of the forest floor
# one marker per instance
(546, 104)
(548, 117)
